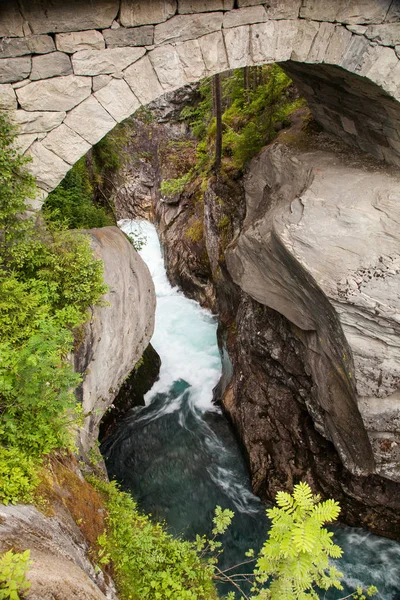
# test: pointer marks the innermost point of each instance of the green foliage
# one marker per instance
(13, 574)
(148, 562)
(195, 231)
(48, 280)
(71, 205)
(295, 557)
(173, 187)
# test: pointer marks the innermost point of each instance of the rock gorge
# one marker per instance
(300, 261)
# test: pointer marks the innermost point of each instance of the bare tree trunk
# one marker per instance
(218, 116)
(246, 83)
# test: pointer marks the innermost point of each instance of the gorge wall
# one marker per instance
(300, 261)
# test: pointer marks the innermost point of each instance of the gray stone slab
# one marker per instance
(244, 16)
(283, 9)
(306, 34)
(103, 62)
(198, 6)
(37, 122)
(338, 44)
(11, 47)
(11, 20)
(8, 98)
(100, 81)
(133, 36)
(73, 15)
(118, 99)
(48, 168)
(237, 43)
(66, 143)
(90, 120)
(40, 44)
(214, 53)
(191, 58)
(145, 12)
(54, 64)
(142, 79)
(80, 40)
(168, 67)
(60, 93)
(363, 12)
(14, 69)
(387, 34)
(25, 141)
(186, 27)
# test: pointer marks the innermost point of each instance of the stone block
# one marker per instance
(8, 98)
(117, 98)
(387, 34)
(103, 62)
(214, 53)
(80, 40)
(263, 42)
(393, 15)
(100, 81)
(14, 69)
(306, 33)
(134, 36)
(378, 64)
(25, 141)
(48, 168)
(338, 45)
(283, 9)
(40, 44)
(197, 6)
(61, 93)
(11, 47)
(237, 43)
(354, 54)
(90, 120)
(146, 12)
(66, 143)
(358, 29)
(73, 15)
(321, 43)
(342, 11)
(244, 3)
(37, 122)
(244, 16)
(143, 81)
(187, 27)
(286, 31)
(55, 64)
(168, 67)
(192, 60)
(11, 21)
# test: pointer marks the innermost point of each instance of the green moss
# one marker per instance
(195, 232)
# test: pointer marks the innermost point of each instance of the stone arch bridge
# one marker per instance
(70, 71)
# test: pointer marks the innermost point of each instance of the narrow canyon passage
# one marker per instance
(179, 457)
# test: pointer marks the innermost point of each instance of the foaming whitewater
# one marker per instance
(179, 458)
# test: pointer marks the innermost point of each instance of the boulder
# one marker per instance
(61, 92)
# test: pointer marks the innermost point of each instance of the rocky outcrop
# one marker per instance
(62, 539)
(320, 245)
(118, 332)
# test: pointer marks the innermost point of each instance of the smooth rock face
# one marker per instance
(90, 120)
(48, 168)
(101, 62)
(117, 334)
(118, 100)
(299, 256)
(137, 36)
(142, 79)
(62, 93)
(8, 98)
(37, 122)
(186, 27)
(67, 144)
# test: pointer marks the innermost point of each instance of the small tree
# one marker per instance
(295, 557)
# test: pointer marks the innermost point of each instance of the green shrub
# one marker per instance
(148, 562)
(195, 232)
(13, 572)
(173, 187)
(48, 281)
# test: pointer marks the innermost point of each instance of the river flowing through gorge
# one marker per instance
(179, 457)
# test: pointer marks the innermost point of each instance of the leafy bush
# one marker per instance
(48, 280)
(13, 571)
(148, 562)
(173, 187)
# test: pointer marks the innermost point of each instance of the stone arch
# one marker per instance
(73, 72)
